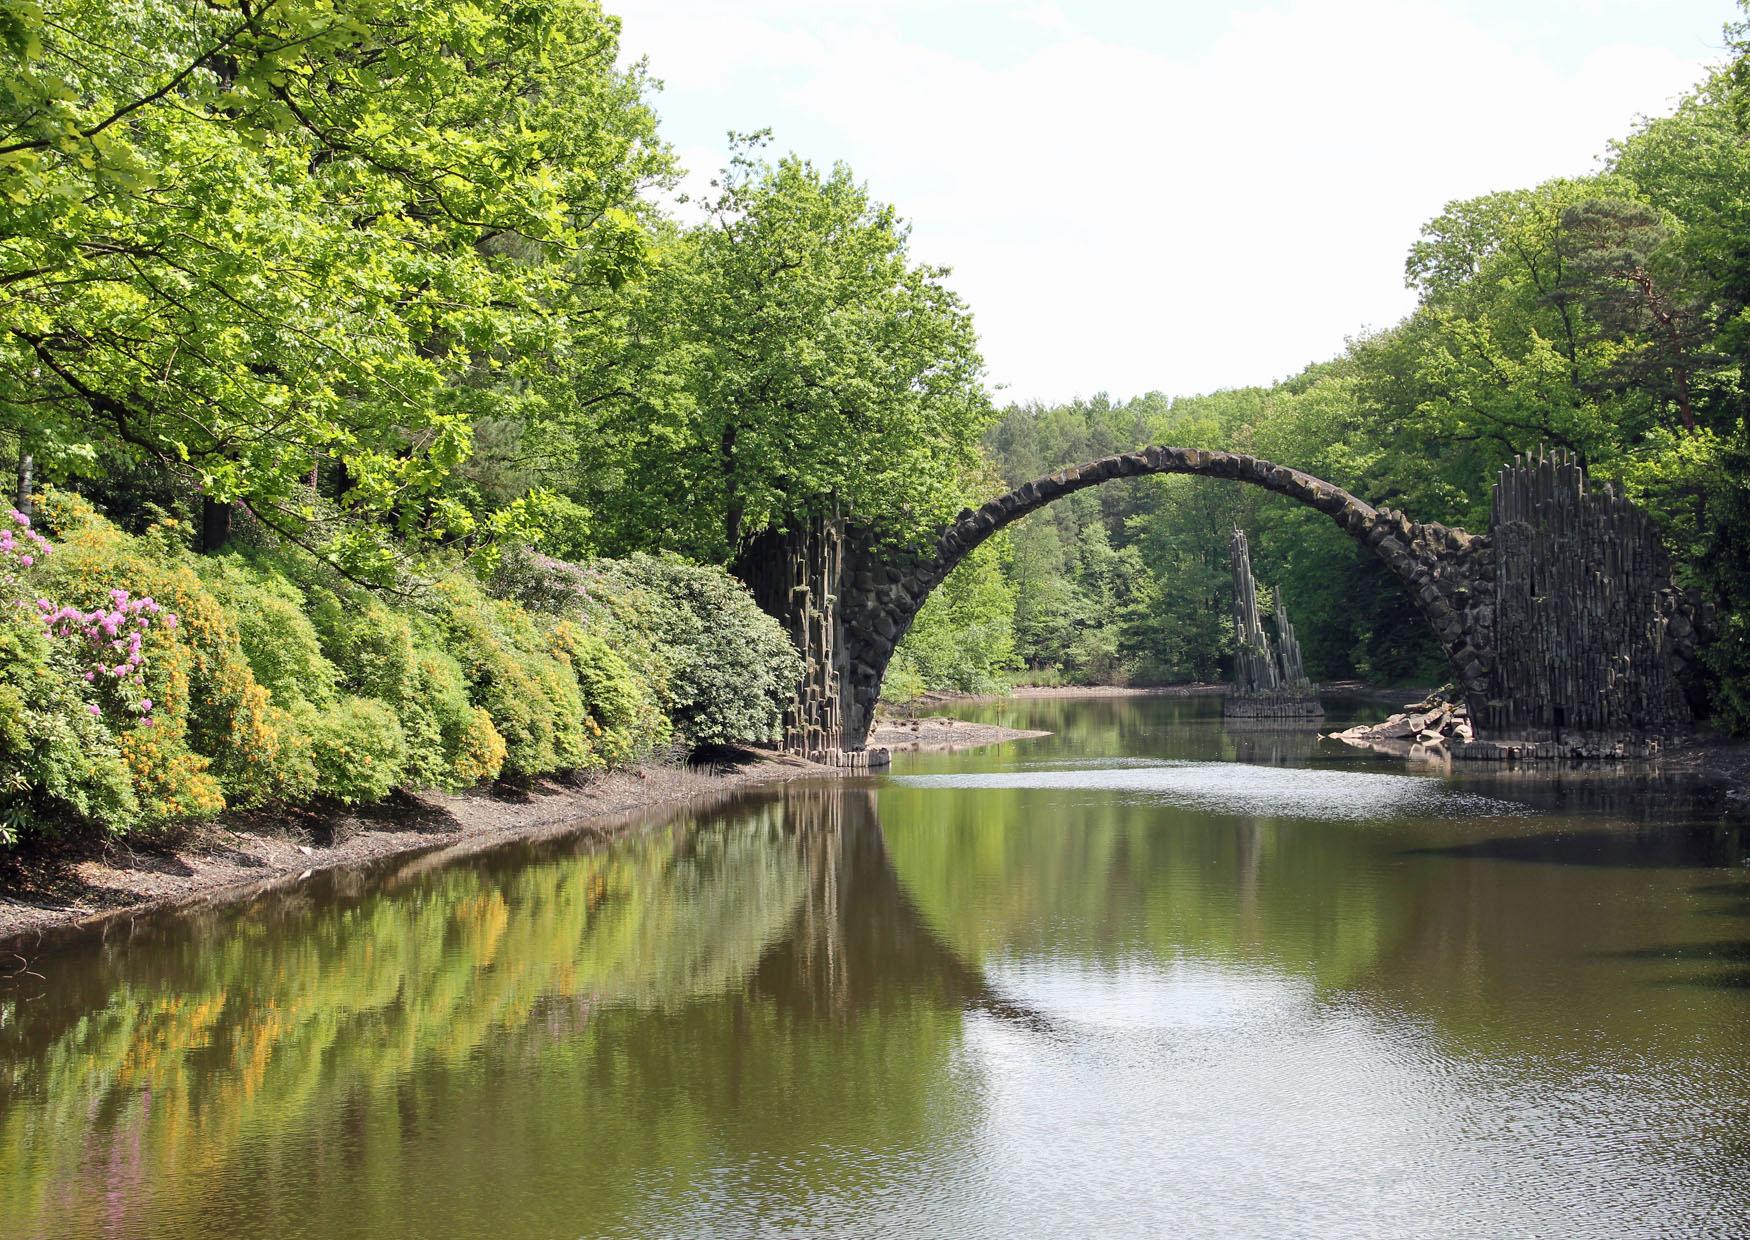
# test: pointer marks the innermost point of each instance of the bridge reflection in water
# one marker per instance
(988, 1009)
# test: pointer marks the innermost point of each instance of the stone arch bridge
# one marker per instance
(1560, 623)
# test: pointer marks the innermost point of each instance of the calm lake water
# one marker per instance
(1146, 977)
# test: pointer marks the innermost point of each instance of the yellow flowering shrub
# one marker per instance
(530, 693)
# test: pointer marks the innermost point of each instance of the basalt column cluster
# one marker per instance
(797, 575)
(1269, 678)
(1590, 638)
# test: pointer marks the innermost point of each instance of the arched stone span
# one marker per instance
(1607, 651)
(1435, 563)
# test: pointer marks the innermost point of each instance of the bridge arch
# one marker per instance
(1596, 639)
(1436, 564)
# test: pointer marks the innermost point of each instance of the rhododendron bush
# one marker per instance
(54, 746)
(109, 642)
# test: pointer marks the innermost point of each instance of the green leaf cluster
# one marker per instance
(240, 240)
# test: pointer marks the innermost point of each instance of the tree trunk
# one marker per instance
(215, 524)
(1683, 406)
(26, 471)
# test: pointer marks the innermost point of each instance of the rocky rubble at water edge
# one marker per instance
(1431, 727)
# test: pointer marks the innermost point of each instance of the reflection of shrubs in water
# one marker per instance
(275, 1008)
(1270, 742)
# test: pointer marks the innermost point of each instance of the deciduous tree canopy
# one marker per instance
(237, 239)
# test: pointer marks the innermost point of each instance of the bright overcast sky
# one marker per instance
(1172, 196)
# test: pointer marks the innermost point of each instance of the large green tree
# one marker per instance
(795, 361)
(242, 237)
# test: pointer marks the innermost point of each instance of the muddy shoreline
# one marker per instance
(49, 888)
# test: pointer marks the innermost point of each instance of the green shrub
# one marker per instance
(357, 749)
(625, 616)
(371, 646)
(528, 691)
(731, 669)
(624, 714)
(276, 635)
(400, 660)
(712, 661)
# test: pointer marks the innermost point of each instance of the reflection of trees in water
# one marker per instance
(1481, 926)
(183, 1039)
(1009, 872)
(630, 1000)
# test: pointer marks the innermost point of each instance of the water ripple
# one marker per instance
(1239, 788)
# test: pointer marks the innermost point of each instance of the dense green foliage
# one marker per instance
(240, 240)
(964, 635)
(717, 666)
(265, 678)
(730, 670)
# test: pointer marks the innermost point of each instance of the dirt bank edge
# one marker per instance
(47, 889)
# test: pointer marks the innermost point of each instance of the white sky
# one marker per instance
(1174, 196)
